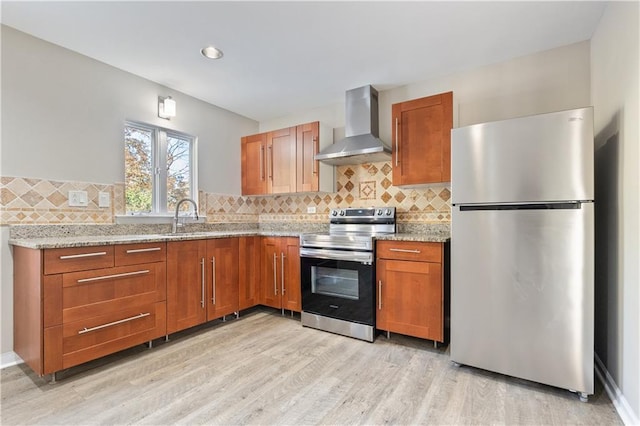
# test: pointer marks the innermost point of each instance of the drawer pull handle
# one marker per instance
(405, 250)
(143, 250)
(108, 277)
(111, 324)
(76, 256)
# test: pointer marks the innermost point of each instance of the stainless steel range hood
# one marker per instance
(361, 143)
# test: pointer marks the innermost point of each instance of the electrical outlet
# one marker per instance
(104, 199)
(311, 209)
(78, 199)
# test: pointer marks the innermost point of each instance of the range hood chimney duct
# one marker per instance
(361, 143)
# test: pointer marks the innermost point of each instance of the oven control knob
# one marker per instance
(341, 212)
(388, 212)
(334, 212)
(379, 212)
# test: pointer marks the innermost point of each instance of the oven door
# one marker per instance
(338, 284)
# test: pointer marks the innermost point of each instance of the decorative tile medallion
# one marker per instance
(368, 190)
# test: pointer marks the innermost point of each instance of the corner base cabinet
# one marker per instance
(410, 282)
(74, 305)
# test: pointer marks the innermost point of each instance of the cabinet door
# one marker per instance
(421, 140)
(270, 292)
(185, 284)
(281, 161)
(222, 277)
(249, 272)
(254, 164)
(290, 281)
(307, 140)
(410, 298)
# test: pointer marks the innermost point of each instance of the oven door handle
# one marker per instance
(351, 256)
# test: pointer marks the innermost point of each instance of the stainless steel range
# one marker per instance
(337, 271)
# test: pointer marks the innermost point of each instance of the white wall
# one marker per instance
(62, 119)
(615, 52)
(547, 81)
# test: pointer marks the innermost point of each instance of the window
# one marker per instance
(160, 169)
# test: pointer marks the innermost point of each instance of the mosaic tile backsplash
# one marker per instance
(38, 201)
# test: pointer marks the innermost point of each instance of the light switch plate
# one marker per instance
(104, 199)
(311, 209)
(78, 199)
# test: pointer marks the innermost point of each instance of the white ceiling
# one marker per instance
(283, 57)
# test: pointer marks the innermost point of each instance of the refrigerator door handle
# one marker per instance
(570, 205)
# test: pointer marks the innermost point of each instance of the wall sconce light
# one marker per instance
(166, 107)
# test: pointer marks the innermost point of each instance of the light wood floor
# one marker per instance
(268, 369)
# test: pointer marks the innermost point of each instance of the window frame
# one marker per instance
(159, 150)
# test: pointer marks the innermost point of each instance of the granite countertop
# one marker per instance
(99, 240)
(428, 237)
(47, 238)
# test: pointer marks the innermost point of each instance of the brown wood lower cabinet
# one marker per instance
(280, 286)
(249, 259)
(74, 305)
(202, 281)
(410, 282)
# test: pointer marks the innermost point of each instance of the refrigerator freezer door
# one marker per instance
(522, 293)
(546, 157)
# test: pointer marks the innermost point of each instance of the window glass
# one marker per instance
(138, 178)
(178, 171)
(159, 169)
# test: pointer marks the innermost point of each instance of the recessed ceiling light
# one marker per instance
(211, 52)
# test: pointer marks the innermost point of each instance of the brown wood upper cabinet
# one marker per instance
(254, 164)
(421, 140)
(282, 161)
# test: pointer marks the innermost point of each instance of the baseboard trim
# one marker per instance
(620, 403)
(8, 359)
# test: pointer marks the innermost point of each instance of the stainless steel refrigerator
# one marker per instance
(522, 248)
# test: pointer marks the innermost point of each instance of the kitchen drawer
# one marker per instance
(135, 254)
(101, 335)
(57, 261)
(92, 293)
(409, 250)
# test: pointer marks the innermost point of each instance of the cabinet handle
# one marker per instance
(261, 162)
(202, 281)
(282, 272)
(405, 250)
(397, 141)
(111, 324)
(143, 250)
(270, 163)
(379, 295)
(275, 279)
(108, 277)
(76, 256)
(213, 279)
(315, 150)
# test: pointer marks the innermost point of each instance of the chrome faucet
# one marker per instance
(175, 218)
